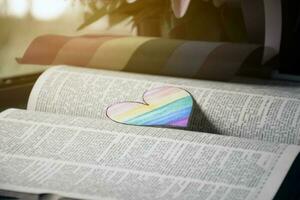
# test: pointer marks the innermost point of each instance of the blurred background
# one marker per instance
(205, 20)
(23, 20)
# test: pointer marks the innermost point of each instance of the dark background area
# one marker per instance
(290, 45)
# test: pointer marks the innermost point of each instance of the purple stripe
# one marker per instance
(182, 122)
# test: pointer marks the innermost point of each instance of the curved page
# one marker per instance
(97, 159)
(254, 111)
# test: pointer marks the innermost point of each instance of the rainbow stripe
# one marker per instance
(164, 106)
(193, 59)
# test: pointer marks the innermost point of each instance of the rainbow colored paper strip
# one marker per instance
(164, 106)
(192, 59)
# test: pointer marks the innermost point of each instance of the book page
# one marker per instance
(97, 159)
(270, 113)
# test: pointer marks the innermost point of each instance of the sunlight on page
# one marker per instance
(23, 20)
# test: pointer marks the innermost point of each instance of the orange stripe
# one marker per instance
(44, 49)
(80, 50)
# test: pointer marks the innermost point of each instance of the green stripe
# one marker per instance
(152, 56)
(182, 103)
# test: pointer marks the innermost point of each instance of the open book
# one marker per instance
(240, 146)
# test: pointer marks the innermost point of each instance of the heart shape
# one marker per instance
(164, 106)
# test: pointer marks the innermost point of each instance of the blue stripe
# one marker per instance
(173, 117)
(183, 103)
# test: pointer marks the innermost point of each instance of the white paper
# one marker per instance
(45, 153)
(243, 110)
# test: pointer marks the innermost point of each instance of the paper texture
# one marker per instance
(48, 153)
(241, 110)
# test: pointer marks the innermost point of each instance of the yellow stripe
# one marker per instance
(115, 54)
(142, 108)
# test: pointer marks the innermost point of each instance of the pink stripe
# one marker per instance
(161, 93)
(152, 91)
